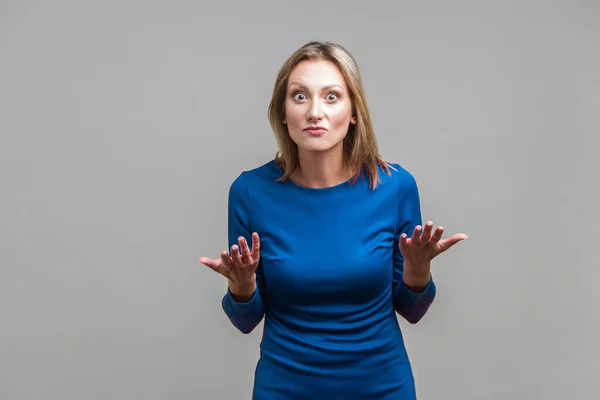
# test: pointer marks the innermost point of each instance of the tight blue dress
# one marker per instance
(329, 285)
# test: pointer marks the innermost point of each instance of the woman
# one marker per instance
(337, 246)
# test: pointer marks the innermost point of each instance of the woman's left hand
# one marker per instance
(420, 249)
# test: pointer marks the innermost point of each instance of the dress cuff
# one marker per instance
(430, 285)
(240, 307)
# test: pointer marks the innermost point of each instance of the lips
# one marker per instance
(315, 130)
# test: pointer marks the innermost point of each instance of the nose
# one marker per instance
(315, 113)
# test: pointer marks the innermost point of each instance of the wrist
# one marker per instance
(242, 291)
(416, 279)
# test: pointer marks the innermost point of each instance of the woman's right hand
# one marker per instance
(238, 267)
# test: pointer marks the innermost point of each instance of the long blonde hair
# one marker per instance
(361, 153)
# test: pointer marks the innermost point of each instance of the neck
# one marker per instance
(321, 169)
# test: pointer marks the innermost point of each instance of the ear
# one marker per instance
(284, 121)
(353, 120)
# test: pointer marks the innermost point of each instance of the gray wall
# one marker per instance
(123, 123)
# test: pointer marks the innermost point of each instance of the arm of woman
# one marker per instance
(243, 303)
(414, 249)
(413, 293)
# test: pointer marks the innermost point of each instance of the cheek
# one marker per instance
(341, 115)
(294, 114)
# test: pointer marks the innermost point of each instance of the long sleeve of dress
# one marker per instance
(244, 316)
(412, 306)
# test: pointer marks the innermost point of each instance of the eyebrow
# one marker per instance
(323, 88)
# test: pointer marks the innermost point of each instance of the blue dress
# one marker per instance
(329, 285)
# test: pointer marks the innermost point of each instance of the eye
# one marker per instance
(299, 96)
(332, 96)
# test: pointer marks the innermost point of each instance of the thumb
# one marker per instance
(451, 241)
(210, 263)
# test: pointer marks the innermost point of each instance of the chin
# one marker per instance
(316, 149)
(316, 145)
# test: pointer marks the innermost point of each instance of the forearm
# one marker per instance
(244, 306)
(413, 296)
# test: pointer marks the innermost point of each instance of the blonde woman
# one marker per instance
(326, 244)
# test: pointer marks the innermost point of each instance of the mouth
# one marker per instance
(315, 130)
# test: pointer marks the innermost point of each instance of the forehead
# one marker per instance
(317, 72)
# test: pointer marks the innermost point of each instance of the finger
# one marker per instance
(255, 246)
(437, 235)
(427, 232)
(403, 241)
(226, 259)
(415, 238)
(451, 241)
(245, 250)
(210, 263)
(236, 256)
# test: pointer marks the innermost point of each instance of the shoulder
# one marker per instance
(406, 196)
(264, 174)
(399, 178)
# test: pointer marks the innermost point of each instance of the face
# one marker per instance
(318, 109)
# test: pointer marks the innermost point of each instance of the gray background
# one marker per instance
(123, 123)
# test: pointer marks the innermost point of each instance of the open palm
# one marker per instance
(422, 247)
(238, 265)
